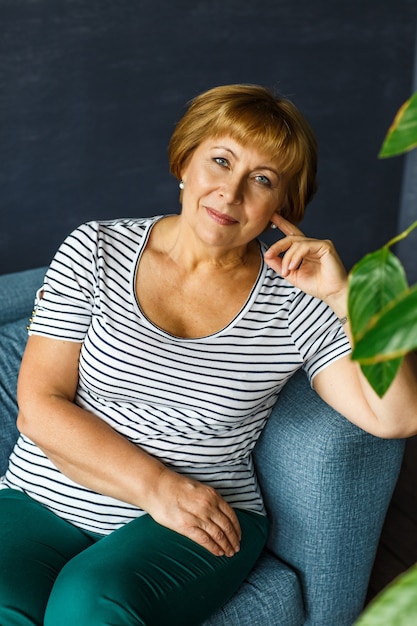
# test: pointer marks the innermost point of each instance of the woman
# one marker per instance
(156, 353)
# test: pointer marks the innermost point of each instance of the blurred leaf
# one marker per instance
(396, 605)
(381, 375)
(392, 333)
(375, 281)
(402, 134)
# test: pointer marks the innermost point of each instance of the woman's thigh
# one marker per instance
(35, 545)
(145, 573)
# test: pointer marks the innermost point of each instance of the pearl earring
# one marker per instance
(181, 184)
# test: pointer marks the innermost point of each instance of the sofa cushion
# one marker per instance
(271, 594)
(13, 337)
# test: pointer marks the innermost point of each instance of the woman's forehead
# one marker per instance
(236, 144)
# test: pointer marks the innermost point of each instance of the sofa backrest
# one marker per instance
(17, 293)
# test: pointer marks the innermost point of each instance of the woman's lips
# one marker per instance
(221, 218)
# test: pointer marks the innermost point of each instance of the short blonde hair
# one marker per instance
(252, 115)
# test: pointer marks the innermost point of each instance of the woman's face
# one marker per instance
(230, 192)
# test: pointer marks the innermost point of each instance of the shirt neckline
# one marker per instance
(154, 327)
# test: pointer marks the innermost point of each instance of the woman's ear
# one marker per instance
(271, 224)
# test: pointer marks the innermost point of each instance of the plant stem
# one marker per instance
(402, 235)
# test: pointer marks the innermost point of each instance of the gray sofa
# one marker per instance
(326, 483)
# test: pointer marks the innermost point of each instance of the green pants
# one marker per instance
(55, 574)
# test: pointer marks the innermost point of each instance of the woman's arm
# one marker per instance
(315, 267)
(343, 386)
(91, 453)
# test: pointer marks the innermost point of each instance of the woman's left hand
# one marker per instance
(315, 267)
(312, 265)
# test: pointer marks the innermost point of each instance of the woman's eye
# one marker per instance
(263, 180)
(221, 161)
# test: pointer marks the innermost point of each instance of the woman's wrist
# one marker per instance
(339, 305)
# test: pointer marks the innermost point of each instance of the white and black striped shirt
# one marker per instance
(199, 405)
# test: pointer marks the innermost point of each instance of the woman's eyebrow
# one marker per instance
(261, 167)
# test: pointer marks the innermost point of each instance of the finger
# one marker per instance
(231, 525)
(223, 528)
(215, 510)
(230, 513)
(294, 257)
(280, 247)
(285, 226)
(205, 540)
(223, 535)
(287, 255)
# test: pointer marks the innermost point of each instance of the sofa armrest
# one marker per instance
(17, 293)
(327, 485)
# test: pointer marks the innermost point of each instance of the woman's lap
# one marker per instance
(36, 544)
(140, 574)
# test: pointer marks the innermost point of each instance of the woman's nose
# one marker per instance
(233, 189)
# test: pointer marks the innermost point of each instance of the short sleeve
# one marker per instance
(317, 333)
(64, 304)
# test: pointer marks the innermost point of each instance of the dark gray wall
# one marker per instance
(407, 248)
(90, 92)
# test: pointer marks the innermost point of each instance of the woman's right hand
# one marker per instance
(196, 511)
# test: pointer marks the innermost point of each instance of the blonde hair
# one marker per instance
(252, 115)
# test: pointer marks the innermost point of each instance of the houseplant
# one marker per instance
(383, 313)
(396, 605)
(382, 307)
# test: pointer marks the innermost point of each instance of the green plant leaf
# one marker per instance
(392, 333)
(375, 281)
(381, 375)
(396, 605)
(402, 134)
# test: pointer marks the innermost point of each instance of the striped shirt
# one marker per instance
(199, 405)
